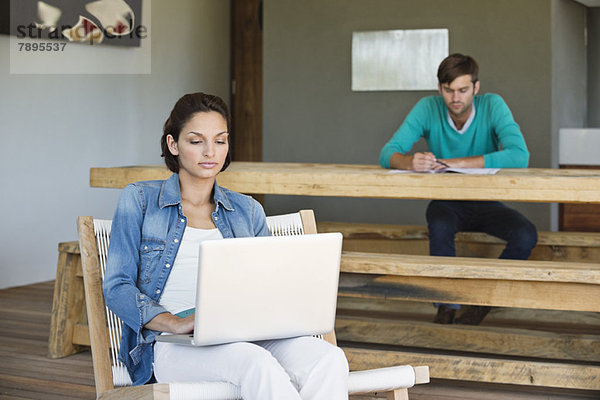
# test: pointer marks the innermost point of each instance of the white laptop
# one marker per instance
(259, 288)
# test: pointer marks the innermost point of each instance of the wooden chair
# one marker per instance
(112, 380)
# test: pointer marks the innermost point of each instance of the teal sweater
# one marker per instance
(493, 134)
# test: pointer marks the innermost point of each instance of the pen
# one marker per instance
(442, 163)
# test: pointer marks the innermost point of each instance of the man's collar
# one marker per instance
(467, 122)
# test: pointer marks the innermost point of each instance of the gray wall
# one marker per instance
(594, 67)
(54, 128)
(311, 115)
(569, 69)
(569, 75)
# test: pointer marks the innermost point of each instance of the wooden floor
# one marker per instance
(26, 372)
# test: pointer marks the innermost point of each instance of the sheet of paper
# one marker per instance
(468, 171)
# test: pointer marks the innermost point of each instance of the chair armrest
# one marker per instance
(386, 379)
(204, 390)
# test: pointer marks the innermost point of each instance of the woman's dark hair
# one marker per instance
(456, 65)
(183, 111)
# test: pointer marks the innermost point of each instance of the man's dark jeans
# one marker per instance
(446, 218)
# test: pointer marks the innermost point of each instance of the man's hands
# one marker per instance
(428, 162)
(417, 162)
(425, 162)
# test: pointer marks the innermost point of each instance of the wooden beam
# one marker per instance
(547, 320)
(480, 339)
(246, 73)
(413, 239)
(123, 176)
(81, 334)
(157, 391)
(421, 374)
(501, 293)
(370, 181)
(246, 82)
(69, 247)
(94, 301)
(68, 305)
(492, 370)
(470, 268)
(352, 230)
(399, 394)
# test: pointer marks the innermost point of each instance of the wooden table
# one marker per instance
(424, 278)
(527, 185)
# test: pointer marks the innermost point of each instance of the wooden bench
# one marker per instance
(375, 287)
(413, 239)
(529, 284)
(383, 305)
(69, 332)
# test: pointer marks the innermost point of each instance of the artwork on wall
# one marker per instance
(114, 22)
(397, 59)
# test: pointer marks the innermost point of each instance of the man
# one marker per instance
(464, 130)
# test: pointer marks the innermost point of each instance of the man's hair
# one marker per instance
(185, 108)
(456, 65)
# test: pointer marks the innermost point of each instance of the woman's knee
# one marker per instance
(338, 360)
(332, 362)
(328, 378)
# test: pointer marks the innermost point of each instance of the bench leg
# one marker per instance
(68, 305)
(398, 394)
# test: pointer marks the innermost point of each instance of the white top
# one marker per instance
(179, 293)
(466, 125)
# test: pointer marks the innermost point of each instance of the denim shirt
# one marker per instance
(146, 232)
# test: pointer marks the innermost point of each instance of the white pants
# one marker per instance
(304, 368)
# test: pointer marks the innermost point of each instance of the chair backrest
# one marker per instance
(91, 254)
(104, 325)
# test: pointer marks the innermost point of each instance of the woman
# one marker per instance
(152, 262)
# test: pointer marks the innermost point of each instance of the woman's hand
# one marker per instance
(167, 322)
